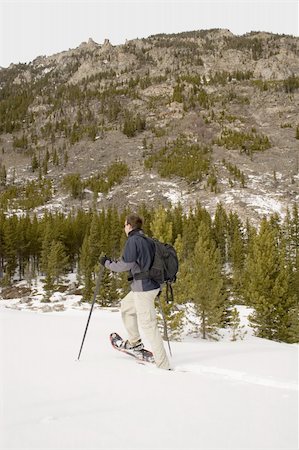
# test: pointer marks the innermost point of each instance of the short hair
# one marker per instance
(135, 221)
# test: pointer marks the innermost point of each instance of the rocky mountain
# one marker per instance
(203, 116)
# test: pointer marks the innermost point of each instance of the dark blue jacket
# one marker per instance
(137, 257)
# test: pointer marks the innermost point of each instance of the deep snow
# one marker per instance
(221, 395)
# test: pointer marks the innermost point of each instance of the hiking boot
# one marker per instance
(138, 346)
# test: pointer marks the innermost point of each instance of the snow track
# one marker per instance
(233, 375)
(221, 395)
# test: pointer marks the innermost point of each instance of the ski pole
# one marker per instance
(165, 323)
(96, 291)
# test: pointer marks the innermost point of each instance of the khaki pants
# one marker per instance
(138, 309)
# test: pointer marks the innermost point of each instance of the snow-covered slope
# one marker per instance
(221, 395)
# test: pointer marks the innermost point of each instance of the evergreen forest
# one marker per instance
(223, 263)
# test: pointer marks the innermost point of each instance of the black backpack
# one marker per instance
(165, 264)
(164, 267)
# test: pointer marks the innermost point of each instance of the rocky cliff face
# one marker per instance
(80, 110)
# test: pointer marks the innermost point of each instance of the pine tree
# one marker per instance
(146, 214)
(10, 243)
(80, 227)
(48, 238)
(220, 230)
(201, 215)
(190, 234)
(65, 158)
(74, 185)
(177, 95)
(160, 227)
(55, 158)
(94, 239)
(292, 335)
(114, 229)
(108, 294)
(3, 175)
(266, 284)
(191, 224)
(178, 245)
(176, 217)
(179, 290)
(34, 234)
(129, 127)
(291, 233)
(204, 283)
(56, 265)
(104, 233)
(237, 329)
(34, 163)
(23, 254)
(46, 162)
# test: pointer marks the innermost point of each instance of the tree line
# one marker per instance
(223, 262)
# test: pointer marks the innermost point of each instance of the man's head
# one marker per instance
(132, 222)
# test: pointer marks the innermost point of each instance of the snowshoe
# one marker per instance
(137, 351)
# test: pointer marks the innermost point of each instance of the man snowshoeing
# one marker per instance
(138, 306)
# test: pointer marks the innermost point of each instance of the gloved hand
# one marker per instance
(103, 259)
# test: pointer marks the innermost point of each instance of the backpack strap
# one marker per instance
(141, 275)
(144, 275)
